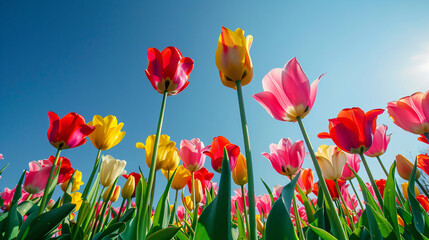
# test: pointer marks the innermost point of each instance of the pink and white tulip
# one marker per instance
(191, 152)
(37, 177)
(285, 157)
(380, 140)
(264, 205)
(353, 161)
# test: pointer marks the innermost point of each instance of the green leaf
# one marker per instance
(112, 231)
(215, 220)
(308, 208)
(14, 219)
(418, 214)
(279, 224)
(384, 226)
(389, 198)
(269, 191)
(240, 224)
(24, 207)
(322, 233)
(44, 224)
(164, 234)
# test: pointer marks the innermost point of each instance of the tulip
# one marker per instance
(137, 177)
(332, 188)
(106, 193)
(239, 193)
(115, 194)
(285, 157)
(37, 177)
(353, 161)
(423, 139)
(204, 176)
(405, 167)
(381, 184)
(277, 190)
(216, 153)
(171, 160)
(129, 187)
(305, 180)
(77, 182)
(287, 92)
(180, 179)
(192, 154)
(111, 168)
(69, 131)
(198, 196)
(164, 147)
(405, 192)
(233, 59)
(239, 174)
(424, 201)
(76, 199)
(66, 171)
(168, 71)
(259, 224)
(423, 162)
(332, 161)
(264, 205)
(411, 113)
(107, 132)
(188, 203)
(379, 142)
(180, 213)
(350, 201)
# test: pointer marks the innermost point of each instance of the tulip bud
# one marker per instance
(51, 203)
(115, 194)
(128, 189)
(331, 160)
(259, 224)
(239, 174)
(405, 188)
(188, 203)
(405, 167)
(106, 193)
(198, 188)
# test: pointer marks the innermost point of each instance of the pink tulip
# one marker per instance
(350, 201)
(287, 92)
(286, 158)
(302, 214)
(37, 178)
(192, 155)
(7, 197)
(379, 142)
(239, 199)
(277, 190)
(264, 205)
(1, 156)
(411, 113)
(180, 213)
(354, 161)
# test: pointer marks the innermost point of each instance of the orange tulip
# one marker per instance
(423, 163)
(405, 192)
(424, 201)
(198, 191)
(239, 174)
(188, 203)
(405, 167)
(305, 181)
(180, 179)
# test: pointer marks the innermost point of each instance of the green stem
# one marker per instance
(49, 183)
(120, 209)
(356, 194)
(251, 188)
(422, 188)
(328, 200)
(91, 177)
(371, 178)
(297, 217)
(352, 225)
(245, 208)
(398, 190)
(153, 162)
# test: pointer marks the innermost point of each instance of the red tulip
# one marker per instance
(423, 200)
(331, 187)
(352, 130)
(423, 162)
(168, 71)
(137, 177)
(305, 180)
(69, 131)
(204, 176)
(216, 153)
(381, 184)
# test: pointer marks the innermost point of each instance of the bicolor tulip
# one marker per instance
(107, 132)
(137, 177)
(199, 192)
(423, 162)
(287, 92)
(233, 58)
(37, 178)
(168, 71)
(259, 225)
(264, 205)
(115, 194)
(216, 153)
(188, 203)
(332, 161)
(286, 157)
(277, 190)
(352, 130)
(405, 167)
(180, 179)
(69, 131)
(353, 161)
(164, 147)
(171, 160)
(204, 176)
(77, 182)
(239, 173)
(129, 188)
(411, 113)
(405, 188)
(111, 169)
(380, 141)
(305, 180)
(192, 154)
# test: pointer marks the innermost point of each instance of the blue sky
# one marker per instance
(90, 57)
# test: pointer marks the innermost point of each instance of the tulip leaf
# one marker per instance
(14, 219)
(110, 232)
(279, 224)
(136, 228)
(215, 220)
(418, 214)
(322, 233)
(389, 198)
(24, 207)
(384, 226)
(308, 208)
(240, 224)
(269, 191)
(164, 234)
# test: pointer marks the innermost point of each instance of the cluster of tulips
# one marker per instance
(302, 209)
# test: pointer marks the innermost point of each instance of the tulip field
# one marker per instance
(331, 207)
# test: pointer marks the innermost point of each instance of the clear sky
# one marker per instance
(89, 57)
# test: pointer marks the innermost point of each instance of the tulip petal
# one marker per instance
(313, 92)
(272, 105)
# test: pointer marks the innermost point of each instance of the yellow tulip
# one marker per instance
(233, 59)
(188, 203)
(115, 194)
(404, 190)
(239, 174)
(405, 167)
(198, 191)
(171, 160)
(110, 169)
(107, 132)
(76, 199)
(76, 182)
(129, 187)
(259, 224)
(164, 147)
(180, 179)
(331, 160)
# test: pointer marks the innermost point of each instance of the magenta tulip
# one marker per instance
(192, 154)
(287, 92)
(264, 204)
(353, 161)
(286, 158)
(379, 142)
(37, 177)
